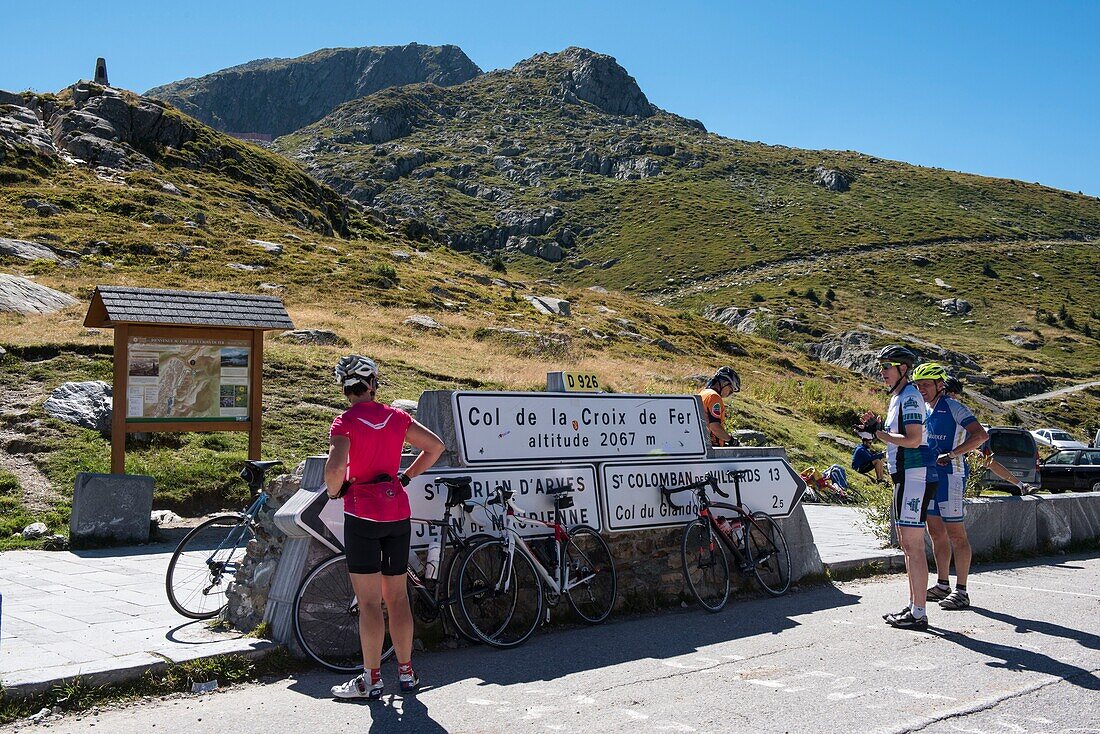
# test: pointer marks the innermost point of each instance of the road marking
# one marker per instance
(920, 694)
(636, 715)
(766, 683)
(1035, 588)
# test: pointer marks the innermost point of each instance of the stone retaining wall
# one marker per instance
(1034, 523)
(647, 562)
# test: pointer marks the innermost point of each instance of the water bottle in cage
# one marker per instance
(431, 561)
(737, 532)
(724, 525)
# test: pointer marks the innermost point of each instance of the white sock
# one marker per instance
(918, 612)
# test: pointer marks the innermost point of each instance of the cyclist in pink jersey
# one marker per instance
(363, 467)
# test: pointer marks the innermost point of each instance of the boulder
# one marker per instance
(548, 305)
(27, 250)
(744, 320)
(955, 306)
(162, 218)
(749, 437)
(163, 517)
(35, 530)
(1023, 343)
(322, 337)
(426, 323)
(20, 295)
(832, 179)
(85, 404)
(273, 247)
(409, 406)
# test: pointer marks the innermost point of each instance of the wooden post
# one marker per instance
(118, 400)
(255, 395)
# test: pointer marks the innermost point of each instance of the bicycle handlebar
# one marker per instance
(699, 487)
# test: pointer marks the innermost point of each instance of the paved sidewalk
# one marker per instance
(99, 614)
(844, 540)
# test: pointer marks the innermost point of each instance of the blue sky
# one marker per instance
(1008, 89)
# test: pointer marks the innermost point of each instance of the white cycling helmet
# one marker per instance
(354, 369)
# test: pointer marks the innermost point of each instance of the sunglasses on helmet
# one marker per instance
(888, 365)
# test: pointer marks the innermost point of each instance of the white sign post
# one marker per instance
(496, 428)
(632, 496)
(324, 519)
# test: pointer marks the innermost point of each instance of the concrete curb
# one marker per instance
(122, 670)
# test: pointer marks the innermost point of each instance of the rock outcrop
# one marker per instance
(278, 96)
(19, 295)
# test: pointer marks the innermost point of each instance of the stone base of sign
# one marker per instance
(805, 558)
(257, 579)
(436, 413)
(110, 509)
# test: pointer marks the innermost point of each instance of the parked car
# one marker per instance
(1016, 450)
(1057, 438)
(1077, 470)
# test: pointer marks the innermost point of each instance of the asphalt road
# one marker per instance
(1024, 659)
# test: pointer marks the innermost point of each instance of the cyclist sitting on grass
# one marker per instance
(864, 459)
(952, 432)
(363, 465)
(911, 467)
(724, 384)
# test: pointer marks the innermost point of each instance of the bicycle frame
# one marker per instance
(558, 582)
(234, 536)
(743, 516)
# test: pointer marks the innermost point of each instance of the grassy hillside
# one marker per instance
(656, 195)
(339, 270)
(363, 287)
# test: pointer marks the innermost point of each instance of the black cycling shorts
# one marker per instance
(373, 547)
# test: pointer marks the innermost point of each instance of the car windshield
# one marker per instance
(1060, 436)
(1011, 443)
(1061, 458)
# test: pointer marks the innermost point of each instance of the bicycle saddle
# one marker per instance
(253, 471)
(453, 482)
(565, 488)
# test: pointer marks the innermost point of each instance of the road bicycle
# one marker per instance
(504, 584)
(753, 539)
(326, 612)
(207, 559)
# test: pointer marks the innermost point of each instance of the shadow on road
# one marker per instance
(548, 656)
(1087, 639)
(1022, 660)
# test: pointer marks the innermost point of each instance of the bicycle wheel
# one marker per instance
(591, 585)
(768, 554)
(452, 565)
(326, 618)
(706, 567)
(499, 594)
(204, 563)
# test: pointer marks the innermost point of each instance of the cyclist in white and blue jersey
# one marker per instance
(952, 432)
(911, 464)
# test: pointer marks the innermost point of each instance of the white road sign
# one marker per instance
(324, 519)
(632, 497)
(544, 427)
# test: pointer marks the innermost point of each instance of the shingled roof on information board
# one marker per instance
(115, 305)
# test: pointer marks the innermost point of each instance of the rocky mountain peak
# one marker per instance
(272, 97)
(591, 77)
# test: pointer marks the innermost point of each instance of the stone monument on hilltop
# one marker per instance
(101, 72)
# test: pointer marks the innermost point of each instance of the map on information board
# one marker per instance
(187, 379)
